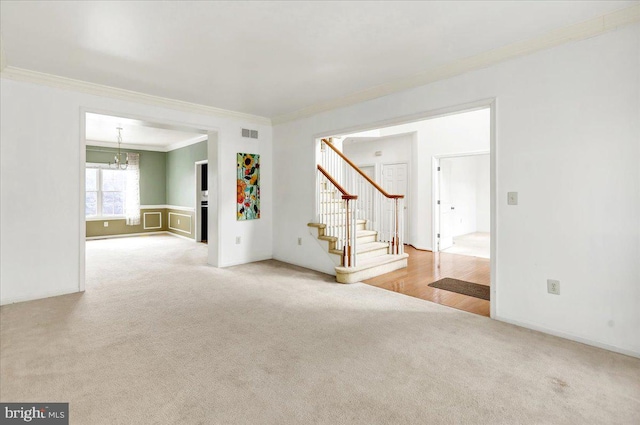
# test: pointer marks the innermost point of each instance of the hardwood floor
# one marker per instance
(426, 267)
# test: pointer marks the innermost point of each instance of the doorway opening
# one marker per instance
(202, 201)
(462, 204)
(139, 181)
(404, 157)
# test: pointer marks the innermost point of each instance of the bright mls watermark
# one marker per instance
(36, 413)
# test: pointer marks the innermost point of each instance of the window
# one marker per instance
(105, 192)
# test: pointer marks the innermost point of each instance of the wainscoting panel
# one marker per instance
(181, 223)
(152, 220)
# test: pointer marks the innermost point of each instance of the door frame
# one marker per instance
(198, 216)
(435, 192)
(437, 112)
(213, 153)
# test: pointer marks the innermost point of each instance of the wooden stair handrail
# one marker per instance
(345, 194)
(355, 167)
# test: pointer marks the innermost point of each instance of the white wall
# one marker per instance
(463, 193)
(453, 134)
(567, 139)
(483, 193)
(40, 185)
(395, 149)
(470, 193)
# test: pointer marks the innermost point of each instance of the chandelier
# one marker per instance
(117, 160)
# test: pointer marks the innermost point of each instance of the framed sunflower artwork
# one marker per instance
(248, 180)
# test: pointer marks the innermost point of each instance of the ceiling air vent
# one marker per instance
(252, 134)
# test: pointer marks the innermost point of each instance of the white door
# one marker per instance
(446, 208)
(395, 180)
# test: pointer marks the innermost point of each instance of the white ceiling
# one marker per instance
(267, 58)
(135, 133)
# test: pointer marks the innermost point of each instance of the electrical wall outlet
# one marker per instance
(512, 198)
(553, 286)
(106, 224)
(299, 241)
(238, 240)
(178, 221)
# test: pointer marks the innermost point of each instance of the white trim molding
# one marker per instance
(44, 295)
(132, 146)
(123, 235)
(568, 336)
(168, 207)
(111, 218)
(127, 235)
(181, 237)
(144, 220)
(250, 259)
(26, 75)
(180, 230)
(579, 31)
(185, 143)
(179, 208)
(152, 148)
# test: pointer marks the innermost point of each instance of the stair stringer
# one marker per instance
(325, 242)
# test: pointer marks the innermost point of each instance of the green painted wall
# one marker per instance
(180, 169)
(153, 176)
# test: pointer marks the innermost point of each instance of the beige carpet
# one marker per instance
(161, 338)
(473, 244)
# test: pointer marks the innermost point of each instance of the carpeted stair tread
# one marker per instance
(367, 263)
(361, 233)
(370, 246)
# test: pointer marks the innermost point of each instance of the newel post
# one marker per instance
(396, 245)
(348, 244)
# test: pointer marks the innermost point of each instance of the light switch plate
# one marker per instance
(512, 198)
(106, 224)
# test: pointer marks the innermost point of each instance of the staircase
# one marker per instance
(359, 226)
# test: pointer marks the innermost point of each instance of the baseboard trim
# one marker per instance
(420, 249)
(180, 236)
(330, 272)
(127, 235)
(569, 336)
(37, 297)
(250, 259)
(123, 235)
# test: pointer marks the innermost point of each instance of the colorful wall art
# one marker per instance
(248, 186)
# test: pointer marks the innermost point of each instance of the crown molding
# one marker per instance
(152, 148)
(26, 75)
(185, 143)
(553, 38)
(132, 146)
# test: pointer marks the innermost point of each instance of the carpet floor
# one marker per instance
(160, 337)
